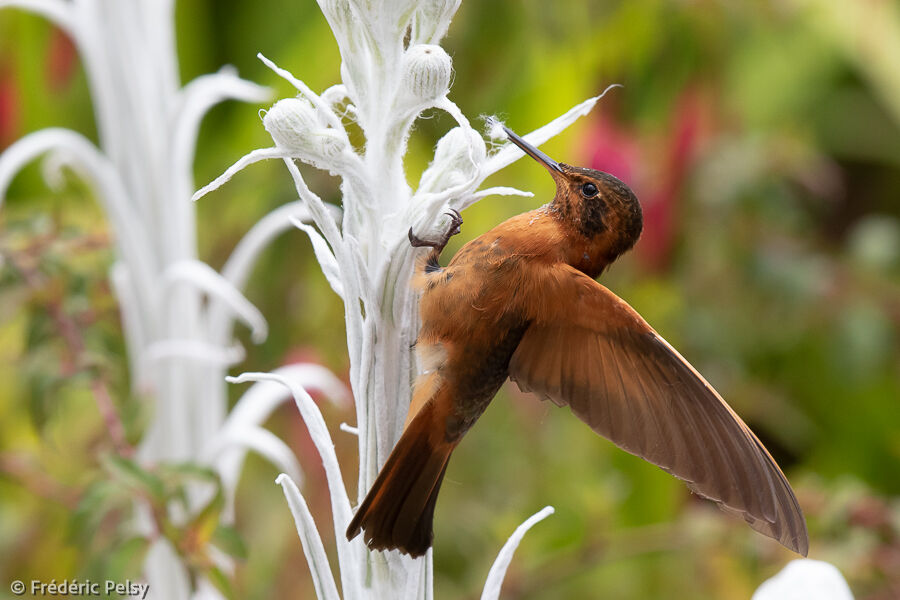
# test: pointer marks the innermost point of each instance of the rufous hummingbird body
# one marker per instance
(521, 302)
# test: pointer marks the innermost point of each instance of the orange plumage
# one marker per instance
(520, 302)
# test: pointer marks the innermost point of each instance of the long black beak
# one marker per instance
(531, 151)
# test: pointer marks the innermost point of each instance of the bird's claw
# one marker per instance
(415, 241)
(455, 221)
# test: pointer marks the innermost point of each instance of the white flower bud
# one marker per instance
(291, 121)
(457, 158)
(294, 125)
(328, 143)
(426, 73)
(460, 148)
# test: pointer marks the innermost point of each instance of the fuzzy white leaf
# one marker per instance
(262, 441)
(192, 349)
(491, 191)
(431, 21)
(323, 107)
(340, 503)
(321, 215)
(197, 97)
(511, 153)
(498, 569)
(240, 263)
(204, 277)
(313, 550)
(169, 576)
(350, 268)
(255, 406)
(248, 159)
(132, 323)
(326, 258)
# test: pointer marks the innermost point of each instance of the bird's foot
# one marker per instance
(455, 221)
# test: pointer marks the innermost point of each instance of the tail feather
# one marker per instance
(398, 511)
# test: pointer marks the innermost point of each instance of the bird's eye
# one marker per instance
(589, 190)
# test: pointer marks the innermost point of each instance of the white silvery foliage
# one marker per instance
(392, 70)
(805, 579)
(178, 312)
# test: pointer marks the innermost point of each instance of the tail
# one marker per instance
(399, 510)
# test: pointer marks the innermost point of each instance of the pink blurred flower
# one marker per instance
(62, 58)
(655, 167)
(9, 105)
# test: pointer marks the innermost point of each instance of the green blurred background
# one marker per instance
(763, 139)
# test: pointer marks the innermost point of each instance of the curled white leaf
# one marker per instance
(335, 94)
(262, 398)
(326, 258)
(262, 441)
(340, 503)
(204, 277)
(313, 550)
(193, 349)
(197, 97)
(255, 406)
(258, 155)
(240, 263)
(498, 569)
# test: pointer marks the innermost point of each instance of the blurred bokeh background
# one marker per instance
(763, 139)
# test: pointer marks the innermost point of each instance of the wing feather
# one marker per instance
(595, 353)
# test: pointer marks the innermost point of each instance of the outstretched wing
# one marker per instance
(589, 349)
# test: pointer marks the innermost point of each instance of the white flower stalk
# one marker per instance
(179, 345)
(386, 84)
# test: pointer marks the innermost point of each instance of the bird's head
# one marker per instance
(593, 202)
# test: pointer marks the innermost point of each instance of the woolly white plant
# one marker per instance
(392, 70)
(177, 311)
(805, 579)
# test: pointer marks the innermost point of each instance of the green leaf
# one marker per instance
(40, 329)
(222, 582)
(132, 474)
(127, 558)
(205, 523)
(98, 499)
(42, 388)
(228, 540)
(187, 471)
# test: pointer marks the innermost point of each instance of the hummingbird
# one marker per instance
(521, 302)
